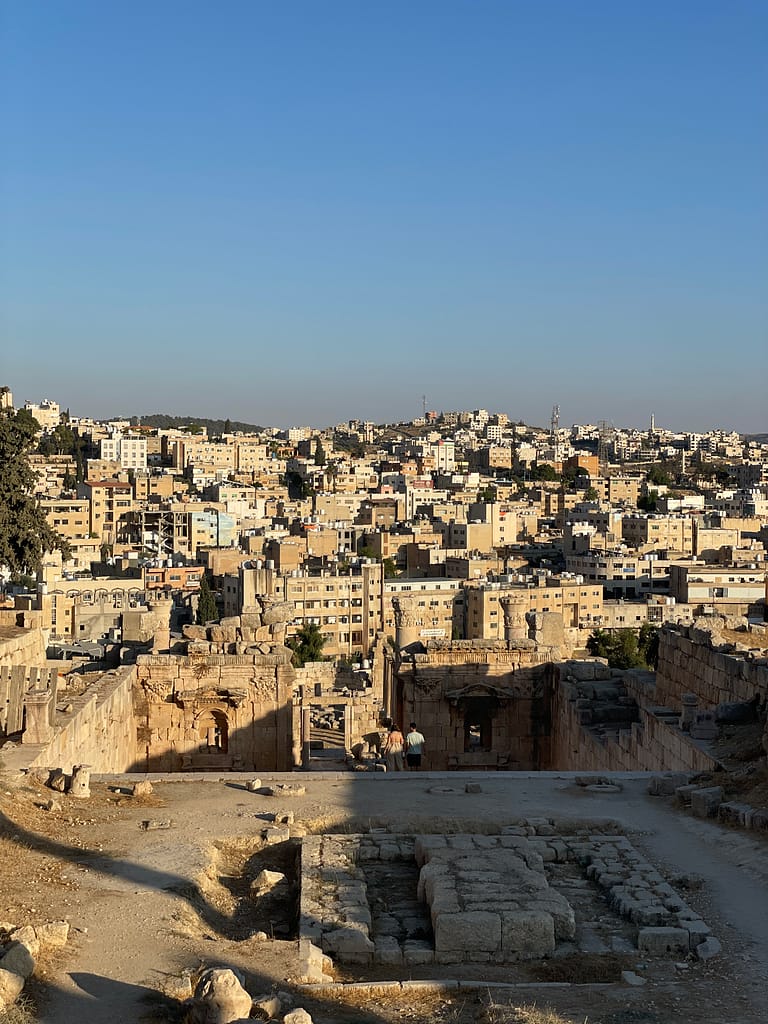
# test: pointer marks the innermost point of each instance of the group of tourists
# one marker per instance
(400, 750)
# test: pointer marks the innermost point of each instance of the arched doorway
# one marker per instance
(213, 728)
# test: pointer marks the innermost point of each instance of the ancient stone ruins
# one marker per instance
(227, 699)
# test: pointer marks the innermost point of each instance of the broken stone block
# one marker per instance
(704, 802)
(735, 814)
(266, 881)
(683, 793)
(55, 933)
(81, 782)
(58, 780)
(708, 948)
(269, 1006)
(667, 784)
(350, 944)
(297, 1016)
(283, 817)
(663, 941)
(473, 787)
(271, 836)
(253, 785)
(704, 726)
(220, 998)
(698, 932)
(153, 824)
(285, 789)
(143, 788)
(630, 978)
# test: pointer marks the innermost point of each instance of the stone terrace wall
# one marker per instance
(649, 744)
(699, 659)
(99, 731)
(22, 641)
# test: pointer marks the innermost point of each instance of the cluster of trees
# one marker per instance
(214, 427)
(626, 648)
(25, 534)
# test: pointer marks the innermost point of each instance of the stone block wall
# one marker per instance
(216, 712)
(22, 641)
(435, 689)
(649, 744)
(700, 659)
(99, 731)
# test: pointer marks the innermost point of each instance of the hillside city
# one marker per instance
(611, 527)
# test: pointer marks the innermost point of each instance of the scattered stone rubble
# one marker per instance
(481, 899)
(19, 949)
(706, 800)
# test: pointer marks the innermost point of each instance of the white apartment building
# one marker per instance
(129, 451)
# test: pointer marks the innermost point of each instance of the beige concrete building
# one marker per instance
(579, 603)
(110, 505)
(718, 588)
(439, 604)
(345, 605)
(658, 532)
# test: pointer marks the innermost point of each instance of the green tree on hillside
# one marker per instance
(25, 534)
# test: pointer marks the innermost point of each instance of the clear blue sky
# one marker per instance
(304, 212)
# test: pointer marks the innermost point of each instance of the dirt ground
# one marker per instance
(150, 906)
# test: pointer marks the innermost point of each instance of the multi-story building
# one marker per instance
(718, 587)
(658, 532)
(345, 605)
(110, 505)
(578, 601)
(47, 413)
(439, 604)
(623, 573)
(126, 449)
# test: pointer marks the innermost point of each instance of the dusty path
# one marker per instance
(138, 919)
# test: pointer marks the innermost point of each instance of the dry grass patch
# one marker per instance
(508, 1013)
(22, 1012)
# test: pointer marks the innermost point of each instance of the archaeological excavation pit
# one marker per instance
(488, 907)
(251, 886)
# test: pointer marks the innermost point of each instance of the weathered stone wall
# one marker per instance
(22, 641)
(216, 711)
(650, 743)
(100, 730)
(700, 659)
(437, 688)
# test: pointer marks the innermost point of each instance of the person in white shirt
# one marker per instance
(414, 747)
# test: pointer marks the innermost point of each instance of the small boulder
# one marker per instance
(143, 788)
(11, 985)
(266, 881)
(219, 998)
(55, 933)
(297, 1016)
(19, 960)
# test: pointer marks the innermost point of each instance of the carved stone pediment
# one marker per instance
(499, 693)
